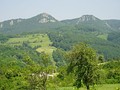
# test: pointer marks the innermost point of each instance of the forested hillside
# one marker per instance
(37, 53)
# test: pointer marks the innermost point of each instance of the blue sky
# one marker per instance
(60, 9)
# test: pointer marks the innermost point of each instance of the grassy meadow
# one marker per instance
(103, 36)
(98, 87)
(40, 42)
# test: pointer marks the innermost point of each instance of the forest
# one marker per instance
(22, 67)
(77, 54)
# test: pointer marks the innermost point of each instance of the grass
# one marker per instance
(108, 87)
(41, 41)
(98, 87)
(103, 36)
(32, 39)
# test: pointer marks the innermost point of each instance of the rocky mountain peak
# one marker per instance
(88, 18)
(45, 15)
(45, 18)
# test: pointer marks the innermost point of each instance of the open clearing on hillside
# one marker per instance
(98, 87)
(103, 36)
(40, 42)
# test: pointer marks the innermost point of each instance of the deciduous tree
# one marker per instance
(83, 62)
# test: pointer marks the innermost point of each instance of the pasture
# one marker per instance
(103, 36)
(97, 87)
(40, 42)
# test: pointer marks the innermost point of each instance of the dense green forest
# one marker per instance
(23, 68)
(65, 39)
(59, 55)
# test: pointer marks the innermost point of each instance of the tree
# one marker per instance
(101, 58)
(39, 73)
(83, 62)
(58, 56)
(45, 59)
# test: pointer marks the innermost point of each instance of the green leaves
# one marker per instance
(83, 60)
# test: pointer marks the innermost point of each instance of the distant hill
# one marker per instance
(115, 24)
(44, 21)
(103, 35)
(37, 23)
(84, 18)
(90, 22)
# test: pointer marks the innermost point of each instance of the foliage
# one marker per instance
(112, 70)
(66, 38)
(83, 62)
(97, 87)
(59, 57)
(114, 37)
(28, 51)
(3, 38)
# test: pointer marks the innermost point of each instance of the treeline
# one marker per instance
(3, 38)
(18, 64)
(109, 70)
(65, 39)
(86, 67)
(114, 37)
(24, 68)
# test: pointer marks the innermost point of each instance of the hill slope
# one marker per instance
(37, 23)
(103, 35)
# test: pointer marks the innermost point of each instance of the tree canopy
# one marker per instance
(83, 62)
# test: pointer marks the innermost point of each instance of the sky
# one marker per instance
(60, 9)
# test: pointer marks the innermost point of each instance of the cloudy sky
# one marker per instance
(60, 9)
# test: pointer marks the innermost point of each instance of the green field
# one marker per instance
(103, 36)
(40, 42)
(98, 87)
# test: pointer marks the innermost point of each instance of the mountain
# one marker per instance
(37, 23)
(103, 35)
(37, 46)
(44, 21)
(84, 18)
(90, 22)
(44, 18)
(115, 24)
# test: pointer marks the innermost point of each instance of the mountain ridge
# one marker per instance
(44, 18)
(100, 34)
(47, 21)
(58, 20)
